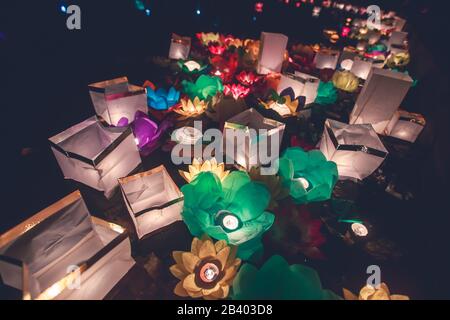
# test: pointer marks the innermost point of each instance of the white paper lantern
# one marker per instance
(406, 126)
(361, 68)
(95, 155)
(271, 52)
(302, 84)
(152, 199)
(116, 99)
(356, 149)
(179, 47)
(246, 151)
(64, 253)
(326, 59)
(380, 98)
(397, 39)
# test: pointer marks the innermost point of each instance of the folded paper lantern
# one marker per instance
(277, 280)
(356, 149)
(207, 271)
(116, 99)
(152, 199)
(326, 59)
(179, 47)
(94, 155)
(308, 175)
(271, 52)
(380, 97)
(243, 133)
(406, 126)
(361, 68)
(64, 253)
(233, 210)
(302, 84)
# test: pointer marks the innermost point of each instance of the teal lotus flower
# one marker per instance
(191, 67)
(326, 93)
(308, 175)
(232, 210)
(162, 99)
(205, 87)
(277, 280)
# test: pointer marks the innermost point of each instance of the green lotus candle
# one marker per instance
(308, 175)
(191, 67)
(233, 210)
(326, 93)
(277, 280)
(205, 87)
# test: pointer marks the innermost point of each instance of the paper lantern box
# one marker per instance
(326, 59)
(271, 52)
(152, 199)
(398, 38)
(64, 253)
(381, 96)
(302, 84)
(179, 47)
(406, 126)
(361, 68)
(116, 100)
(96, 155)
(356, 149)
(248, 146)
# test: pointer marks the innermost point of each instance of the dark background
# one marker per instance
(45, 70)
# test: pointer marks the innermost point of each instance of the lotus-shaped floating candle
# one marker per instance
(233, 210)
(308, 175)
(345, 81)
(207, 271)
(205, 87)
(237, 91)
(162, 99)
(191, 108)
(206, 38)
(199, 166)
(374, 293)
(398, 60)
(216, 48)
(147, 133)
(231, 41)
(191, 67)
(277, 280)
(247, 78)
(326, 93)
(285, 104)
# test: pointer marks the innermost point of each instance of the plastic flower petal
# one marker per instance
(205, 87)
(206, 38)
(326, 93)
(236, 90)
(207, 166)
(191, 108)
(277, 280)
(207, 271)
(374, 293)
(216, 48)
(345, 81)
(233, 210)
(162, 99)
(191, 67)
(247, 78)
(308, 175)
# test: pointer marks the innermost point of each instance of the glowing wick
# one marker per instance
(360, 230)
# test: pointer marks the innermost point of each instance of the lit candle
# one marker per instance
(360, 230)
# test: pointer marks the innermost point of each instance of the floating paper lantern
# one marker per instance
(356, 149)
(277, 280)
(380, 97)
(179, 47)
(361, 68)
(94, 155)
(360, 230)
(233, 210)
(326, 59)
(406, 126)
(206, 271)
(247, 150)
(345, 81)
(302, 84)
(117, 99)
(152, 199)
(271, 53)
(199, 166)
(380, 292)
(347, 64)
(308, 175)
(216, 48)
(64, 253)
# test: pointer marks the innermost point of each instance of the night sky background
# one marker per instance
(45, 70)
